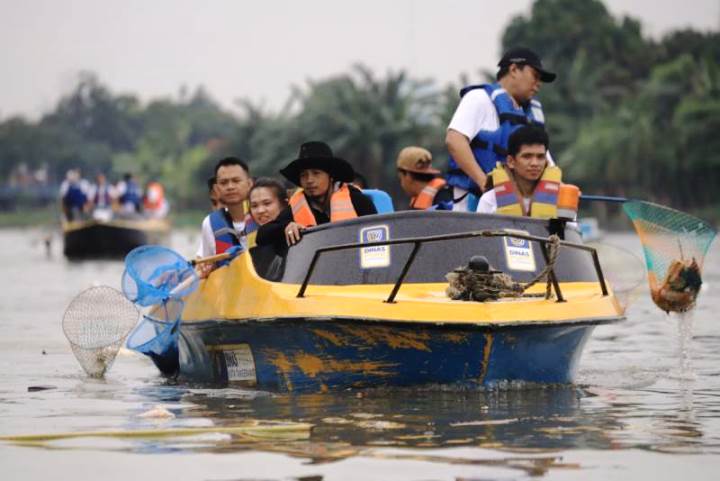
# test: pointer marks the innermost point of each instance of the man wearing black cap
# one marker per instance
(325, 195)
(486, 116)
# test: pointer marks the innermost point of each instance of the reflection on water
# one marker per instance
(637, 390)
(520, 420)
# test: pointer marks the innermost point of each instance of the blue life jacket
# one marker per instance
(131, 195)
(74, 197)
(224, 232)
(490, 146)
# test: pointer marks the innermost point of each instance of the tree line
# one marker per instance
(627, 115)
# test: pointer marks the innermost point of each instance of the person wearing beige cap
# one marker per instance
(421, 181)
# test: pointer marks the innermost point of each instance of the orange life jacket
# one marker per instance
(154, 197)
(341, 207)
(424, 200)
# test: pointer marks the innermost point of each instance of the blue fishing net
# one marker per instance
(154, 274)
(159, 277)
(157, 335)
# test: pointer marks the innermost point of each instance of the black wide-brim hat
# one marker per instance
(318, 155)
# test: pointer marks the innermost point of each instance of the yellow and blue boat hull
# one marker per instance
(239, 327)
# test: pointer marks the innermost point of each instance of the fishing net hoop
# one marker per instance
(675, 245)
(96, 323)
(154, 274)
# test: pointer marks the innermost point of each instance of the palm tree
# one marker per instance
(368, 120)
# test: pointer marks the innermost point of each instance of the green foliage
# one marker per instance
(368, 120)
(93, 113)
(627, 115)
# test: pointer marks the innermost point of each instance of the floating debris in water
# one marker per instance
(251, 430)
(486, 422)
(158, 412)
(379, 425)
(336, 420)
(365, 415)
(40, 388)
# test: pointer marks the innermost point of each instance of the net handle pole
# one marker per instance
(215, 258)
(202, 260)
(604, 198)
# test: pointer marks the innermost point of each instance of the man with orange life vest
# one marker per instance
(155, 205)
(486, 116)
(325, 195)
(421, 182)
(224, 227)
(525, 185)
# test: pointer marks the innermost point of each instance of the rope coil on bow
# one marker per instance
(553, 251)
(476, 282)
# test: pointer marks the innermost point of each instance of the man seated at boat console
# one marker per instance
(526, 185)
(325, 195)
(225, 227)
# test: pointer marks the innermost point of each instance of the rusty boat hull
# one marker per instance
(314, 355)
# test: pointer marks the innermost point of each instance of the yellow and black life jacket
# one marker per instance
(543, 204)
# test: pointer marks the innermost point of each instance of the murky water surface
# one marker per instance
(646, 404)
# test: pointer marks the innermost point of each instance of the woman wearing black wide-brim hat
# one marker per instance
(325, 195)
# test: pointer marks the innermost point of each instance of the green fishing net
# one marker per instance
(675, 245)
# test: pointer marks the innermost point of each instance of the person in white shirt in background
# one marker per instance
(101, 197)
(73, 194)
(129, 195)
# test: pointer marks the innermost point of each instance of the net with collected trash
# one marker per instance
(96, 323)
(675, 245)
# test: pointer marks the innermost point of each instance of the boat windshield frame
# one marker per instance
(419, 241)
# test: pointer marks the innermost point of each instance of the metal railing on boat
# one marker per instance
(418, 241)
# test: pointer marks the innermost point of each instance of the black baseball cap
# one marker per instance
(525, 56)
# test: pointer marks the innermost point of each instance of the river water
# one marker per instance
(646, 404)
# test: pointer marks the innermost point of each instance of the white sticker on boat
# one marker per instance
(519, 253)
(240, 363)
(376, 256)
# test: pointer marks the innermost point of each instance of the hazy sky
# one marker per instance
(259, 49)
